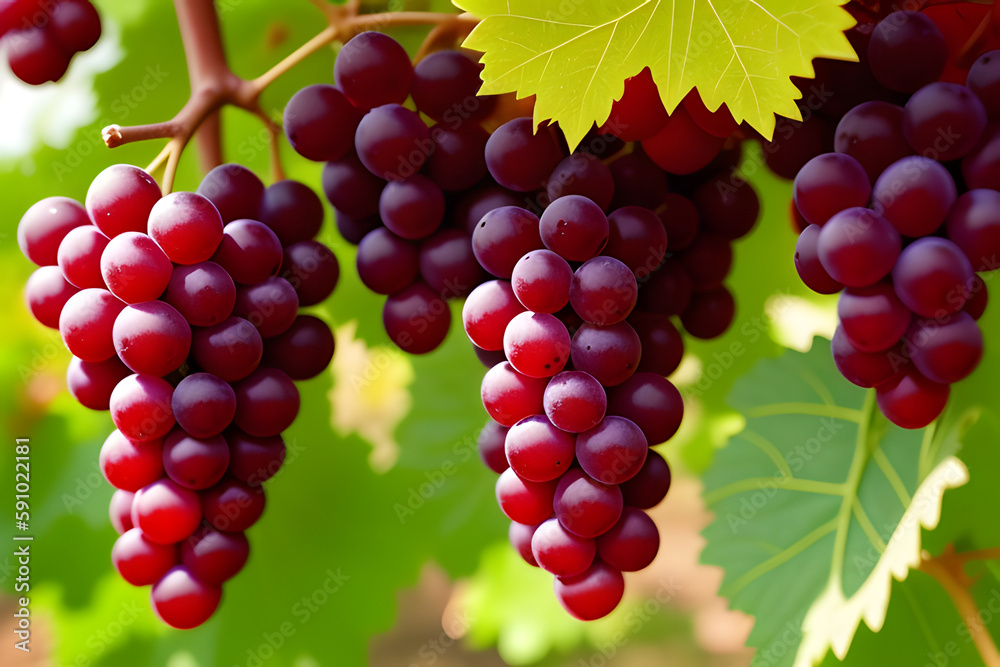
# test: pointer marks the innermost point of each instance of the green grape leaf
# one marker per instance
(819, 504)
(575, 56)
(923, 627)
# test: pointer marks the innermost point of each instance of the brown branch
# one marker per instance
(445, 33)
(948, 570)
(980, 554)
(209, 141)
(213, 84)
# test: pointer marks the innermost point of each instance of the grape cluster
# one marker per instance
(394, 181)
(902, 217)
(41, 36)
(573, 410)
(181, 313)
(577, 324)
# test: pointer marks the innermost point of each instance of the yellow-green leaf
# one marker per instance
(575, 55)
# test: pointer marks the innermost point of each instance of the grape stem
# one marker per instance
(214, 85)
(948, 570)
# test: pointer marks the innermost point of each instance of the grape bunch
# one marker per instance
(394, 181)
(573, 409)
(182, 316)
(41, 36)
(902, 218)
(577, 324)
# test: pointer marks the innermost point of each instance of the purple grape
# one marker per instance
(203, 293)
(613, 451)
(386, 263)
(858, 247)
(872, 134)
(933, 277)
(250, 252)
(943, 121)
(586, 507)
(519, 158)
(303, 351)
(373, 69)
(662, 344)
(582, 174)
(203, 405)
(707, 261)
(984, 81)
(603, 291)
(911, 400)
(945, 351)
(266, 402)
(808, 265)
(503, 236)
(710, 313)
(254, 460)
(651, 402)
(611, 354)
(412, 209)
(873, 318)
(668, 290)
(650, 485)
(829, 184)
(448, 264)
(632, 543)
(235, 190)
(416, 319)
(351, 188)
(574, 227)
(974, 226)
(319, 122)
(906, 51)
(392, 142)
(914, 194)
(637, 238)
(865, 369)
(445, 84)
(312, 270)
(231, 349)
(195, 463)
(292, 210)
(457, 162)
(492, 446)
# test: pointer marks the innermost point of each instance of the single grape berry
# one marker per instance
(182, 601)
(574, 227)
(537, 344)
(538, 451)
(574, 401)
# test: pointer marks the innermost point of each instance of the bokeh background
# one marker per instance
(382, 543)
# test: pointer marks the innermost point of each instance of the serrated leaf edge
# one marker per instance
(832, 620)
